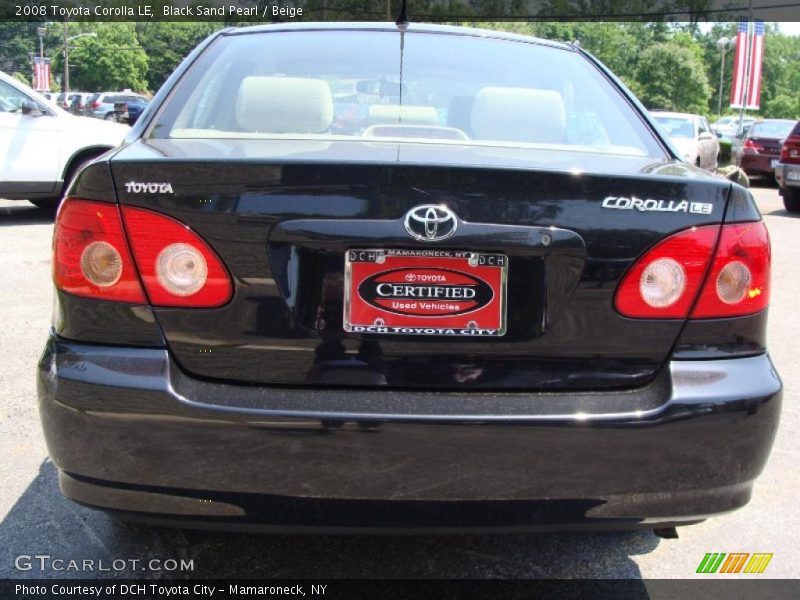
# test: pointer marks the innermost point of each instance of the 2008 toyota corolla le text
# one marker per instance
(367, 277)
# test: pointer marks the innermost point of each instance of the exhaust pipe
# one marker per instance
(666, 533)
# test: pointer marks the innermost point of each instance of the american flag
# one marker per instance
(747, 73)
(41, 73)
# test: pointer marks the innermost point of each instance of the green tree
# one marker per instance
(783, 106)
(18, 41)
(780, 68)
(21, 77)
(112, 60)
(671, 76)
(167, 43)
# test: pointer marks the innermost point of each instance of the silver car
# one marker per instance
(101, 104)
(692, 136)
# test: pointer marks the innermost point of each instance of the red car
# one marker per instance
(762, 146)
(787, 172)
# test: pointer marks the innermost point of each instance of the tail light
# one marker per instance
(93, 257)
(664, 282)
(790, 152)
(177, 267)
(754, 146)
(683, 274)
(95, 105)
(738, 283)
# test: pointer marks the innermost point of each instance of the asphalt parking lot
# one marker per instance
(36, 519)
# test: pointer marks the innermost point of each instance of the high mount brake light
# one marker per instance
(92, 257)
(664, 283)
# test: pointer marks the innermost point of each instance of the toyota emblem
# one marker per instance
(431, 222)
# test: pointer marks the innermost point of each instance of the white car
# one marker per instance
(727, 128)
(42, 146)
(692, 137)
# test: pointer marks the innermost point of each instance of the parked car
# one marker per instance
(762, 146)
(101, 105)
(129, 112)
(77, 104)
(787, 171)
(726, 128)
(692, 136)
(42, 146)
(63, 99)
(722, 123)
(535, 315)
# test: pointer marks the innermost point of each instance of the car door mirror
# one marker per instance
(31, 109)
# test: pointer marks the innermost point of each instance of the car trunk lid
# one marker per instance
(283, 215)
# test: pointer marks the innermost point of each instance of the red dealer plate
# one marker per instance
(425, 292)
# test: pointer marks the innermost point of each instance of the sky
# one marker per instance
(790, 27)
(787, 27)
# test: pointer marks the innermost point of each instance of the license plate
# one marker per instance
(425, 292)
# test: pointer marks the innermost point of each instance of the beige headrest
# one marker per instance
(519, 115)
(284, 105)
(391, 114)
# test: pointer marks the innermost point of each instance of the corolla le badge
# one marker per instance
(650, 205)
(431, 222)
(137, 187)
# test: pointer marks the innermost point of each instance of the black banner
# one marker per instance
(545, 589)
(252, 12)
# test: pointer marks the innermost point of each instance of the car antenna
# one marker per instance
(402, 24)
(402, 18)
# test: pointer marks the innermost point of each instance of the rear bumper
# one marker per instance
(129, 432)
(788, 176)
(758, 163)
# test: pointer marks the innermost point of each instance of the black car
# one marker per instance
(498, 300)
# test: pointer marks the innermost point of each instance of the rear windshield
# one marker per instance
(419, 87)
(676, 127)
(774, 129)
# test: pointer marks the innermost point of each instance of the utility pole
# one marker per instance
(749, 55)
(722, 43)
(65, 86)
(67, 40)
(40, 31)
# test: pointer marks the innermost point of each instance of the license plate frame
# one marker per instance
(426, 292)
